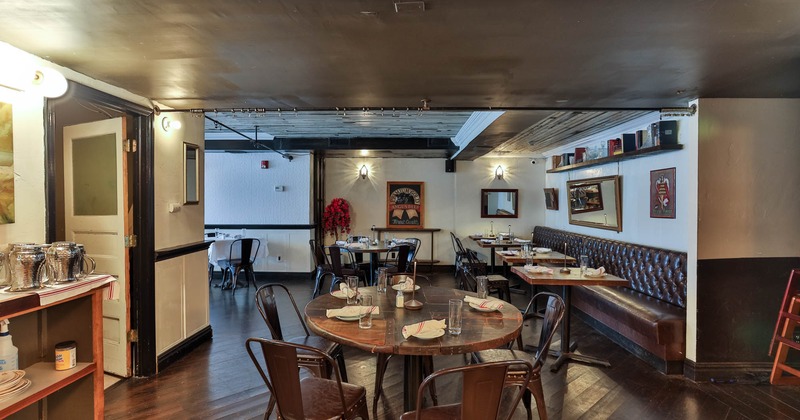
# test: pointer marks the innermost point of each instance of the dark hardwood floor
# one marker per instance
(217, 380)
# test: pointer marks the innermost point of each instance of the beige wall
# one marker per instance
(29, 198)
(748, 178)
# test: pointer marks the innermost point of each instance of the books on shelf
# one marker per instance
(614, 147)
(580, 153)
(664, 132)
(629, 143)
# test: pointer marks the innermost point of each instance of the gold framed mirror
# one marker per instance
(596, 202)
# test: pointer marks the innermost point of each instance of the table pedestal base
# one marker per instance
(413, 374)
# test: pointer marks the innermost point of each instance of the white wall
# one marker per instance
(243, 193)
(451, 200)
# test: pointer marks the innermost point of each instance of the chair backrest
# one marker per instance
(401, 262)
(553, 315)
(318, 252)
(468, 281)
(242, 249)
(482, 388)
(282, 374)
(457, 242)
(267, 305)
(341, 258)
(415, 244)
(455, 245)
(475, 265)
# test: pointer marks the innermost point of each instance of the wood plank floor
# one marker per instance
(218, 381)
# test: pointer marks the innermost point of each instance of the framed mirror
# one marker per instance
(596, 202)
(191, 173)
(499, 203)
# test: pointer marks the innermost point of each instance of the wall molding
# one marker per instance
(187, 345)
(177, 251)
(727, 372)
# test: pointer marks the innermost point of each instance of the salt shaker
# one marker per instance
(399, 300)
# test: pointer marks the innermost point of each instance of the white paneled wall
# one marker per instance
(181, 299)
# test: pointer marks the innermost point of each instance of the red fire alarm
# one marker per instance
(264, 164)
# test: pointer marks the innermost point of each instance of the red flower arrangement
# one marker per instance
(336, 218)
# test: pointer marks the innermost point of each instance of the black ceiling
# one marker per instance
(466, 54)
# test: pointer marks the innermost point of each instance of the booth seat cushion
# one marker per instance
(656, 326)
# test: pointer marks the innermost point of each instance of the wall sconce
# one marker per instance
(42, 81)
(168, 124)
(364, 172)
(498, 173)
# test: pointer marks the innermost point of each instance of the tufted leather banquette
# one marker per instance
(650, 313)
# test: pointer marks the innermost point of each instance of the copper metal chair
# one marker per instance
(267, 304)
(482, 392)
(552, 318)
(309, 397)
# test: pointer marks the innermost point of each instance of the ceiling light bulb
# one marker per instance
(168, 124)
(364, 172)
(498, 172)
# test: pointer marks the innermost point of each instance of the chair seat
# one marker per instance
(316, 342)
(321, 398)
(501, 355)
(444, 412)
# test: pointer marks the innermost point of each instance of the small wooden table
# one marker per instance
(566, 281)
(517, 259)
(480, 330)
(492, 245)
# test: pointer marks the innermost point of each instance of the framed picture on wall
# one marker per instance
(405, 205)
(551, 198)
(662, 193)
(7, 214)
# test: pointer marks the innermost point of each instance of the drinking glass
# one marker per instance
(365, 319)
(454, 318)
(381, 287)
(483, 286)
(584, 259)
(352, 284)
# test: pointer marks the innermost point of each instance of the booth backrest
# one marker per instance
(656, 272)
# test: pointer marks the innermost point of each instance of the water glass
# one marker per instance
(382, 279)
(365, 319)
(352, 284)
(454, 317)
(584, 261)
(483, 286)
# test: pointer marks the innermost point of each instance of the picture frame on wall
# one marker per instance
(662, 193)
(405, 207)
(551, 198)
(7, 212)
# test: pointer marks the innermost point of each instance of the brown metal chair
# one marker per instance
(309, 397)
(481, 394)
(552, 318)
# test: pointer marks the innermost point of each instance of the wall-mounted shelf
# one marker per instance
(616, 158)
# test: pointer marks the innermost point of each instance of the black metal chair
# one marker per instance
(241, 257)
(482, 392)
(553, 315)
(323, 266)
(309, 397)
(343, 264)
(497, 283)
(459, 251)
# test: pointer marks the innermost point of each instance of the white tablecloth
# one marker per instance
(220, 249)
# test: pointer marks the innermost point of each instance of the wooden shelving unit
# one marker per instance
(616, 158)
(76, 393)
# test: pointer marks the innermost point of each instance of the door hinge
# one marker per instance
(133, 336)
(130, 145)
(130, 241)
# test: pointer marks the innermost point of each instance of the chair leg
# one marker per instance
(342, 368)
(270, 406)
(427, 366)
(535, 385)
(363, 410)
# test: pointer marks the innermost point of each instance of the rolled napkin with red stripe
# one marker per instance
(424, 327)
(484, 303)
(538, 269)
(595, 272)
(349, 311)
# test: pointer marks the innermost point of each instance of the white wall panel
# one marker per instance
(169, 305)
(195, 292)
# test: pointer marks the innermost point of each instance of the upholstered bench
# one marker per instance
(649, 317)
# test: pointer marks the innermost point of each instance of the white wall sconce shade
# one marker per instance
(41, 81)
(168, 124)
(498, 173)
(364, 172)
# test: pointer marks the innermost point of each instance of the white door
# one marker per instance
(99, 216)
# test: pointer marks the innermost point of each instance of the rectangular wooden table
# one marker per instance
(493, 245)
(566, 281)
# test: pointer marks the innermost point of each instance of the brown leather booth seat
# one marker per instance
(649, 317)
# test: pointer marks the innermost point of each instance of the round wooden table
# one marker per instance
(480, 330)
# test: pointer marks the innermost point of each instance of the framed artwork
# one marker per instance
(586, 197)
(551, 198)
(662, 193)
(405, 205)
(7, 214)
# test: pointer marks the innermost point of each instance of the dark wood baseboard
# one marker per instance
(728, 372)
(184, 347)
(663, 366)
